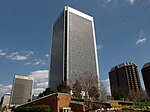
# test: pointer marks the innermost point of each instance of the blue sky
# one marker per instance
(122, 33)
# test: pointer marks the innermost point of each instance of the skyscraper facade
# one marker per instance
(146, 76)
(21, 90)
(73, 50)
(124, 78)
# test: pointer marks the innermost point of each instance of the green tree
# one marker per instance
(40, 95)
(117, 95)
(63, 87)
(35, 108)
(48, 91)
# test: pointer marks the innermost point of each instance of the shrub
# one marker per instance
(35, 108)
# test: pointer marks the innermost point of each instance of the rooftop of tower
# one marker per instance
(122, 65)
(24, 77)
(77, 12)
(146, 65)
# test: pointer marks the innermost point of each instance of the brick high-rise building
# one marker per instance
(146, 76)
(73, 50)
(124, 78)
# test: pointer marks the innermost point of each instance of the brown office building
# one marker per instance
(146, 76)
(124, 78)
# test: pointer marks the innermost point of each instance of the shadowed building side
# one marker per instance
(124, 78)
(146, 76)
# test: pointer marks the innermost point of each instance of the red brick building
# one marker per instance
(58, 102)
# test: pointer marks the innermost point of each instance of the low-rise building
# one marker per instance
(58, 102)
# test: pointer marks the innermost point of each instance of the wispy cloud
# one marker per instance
(16, 56)
(131, 2)
(99, 46)
(5, 89)
(2, 52)
(141, 38)
(36, 91)
(36, 62)
(19, 56)
(111, 4)
(47, 55)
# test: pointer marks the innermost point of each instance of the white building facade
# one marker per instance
(21, 90)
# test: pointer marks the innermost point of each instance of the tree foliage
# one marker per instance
(35, 108)
(117, 95)
(47, 91)
(63, 87)
(40, 95)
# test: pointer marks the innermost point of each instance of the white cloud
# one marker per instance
(36, 62)
(2, 52)
(108, 1)
(110, 4)
(20, 56)
(16, 56)
(47, 55)
(5, 89)
(42, 84)
(40, 80)
(28, 53)
(131, 2)
(99, 46)
(40, 76)
(39, 62)
(106, 84)
(36, 91)
(141, 40)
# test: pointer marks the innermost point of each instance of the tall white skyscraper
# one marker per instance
(73, 50)
(21, 90)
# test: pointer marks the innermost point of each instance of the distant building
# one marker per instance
(21, 90)
(73, 50)
(5, 101)
(146, 77)
(124, 78)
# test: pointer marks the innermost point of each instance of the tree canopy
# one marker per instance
(63, 87)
